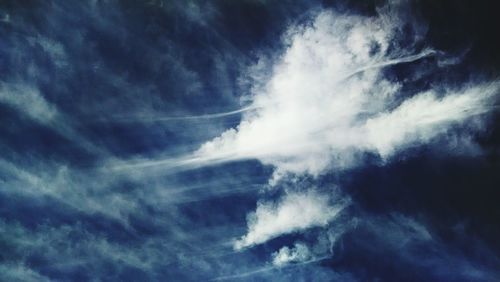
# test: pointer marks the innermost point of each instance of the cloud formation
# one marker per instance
(299, 253)
(425, 116)
(328, 101)
(104, 103)
(296, 211)
(28, 100)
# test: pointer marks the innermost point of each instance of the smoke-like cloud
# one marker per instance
(299, 253)
(294, 212)
(327, 101)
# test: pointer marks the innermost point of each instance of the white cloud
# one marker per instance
(299, 253)
(28, 100)
(419, 119)
(327, 101)
(294, 212)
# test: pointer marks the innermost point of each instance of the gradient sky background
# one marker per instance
(249, 140)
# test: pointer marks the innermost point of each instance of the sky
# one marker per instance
(251, 140)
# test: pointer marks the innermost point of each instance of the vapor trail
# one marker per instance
(392, 62)
(267, 269)
(194, 117)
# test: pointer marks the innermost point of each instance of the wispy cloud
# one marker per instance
(133, 153)
(420, 118)
(294, 212)
(29, 101)
(20, 272)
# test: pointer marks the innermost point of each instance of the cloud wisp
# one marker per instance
(294, 212)
(181, 118)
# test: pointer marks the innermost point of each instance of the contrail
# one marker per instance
(194, 117)
(407, 59)
(187, 162)
(396, 61)
(267, 269)
(168, 163)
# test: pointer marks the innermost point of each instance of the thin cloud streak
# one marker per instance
(392, 62)
(268, 269)
(160, 118)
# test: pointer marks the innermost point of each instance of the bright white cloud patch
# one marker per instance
(325, 103)
(299, 253)
(424, 116)
(294, 212)
(327, 100)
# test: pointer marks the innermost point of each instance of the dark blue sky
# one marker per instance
(249, 140)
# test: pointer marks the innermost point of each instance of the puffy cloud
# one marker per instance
(294, 212)
(299, 253)
(327, 101)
